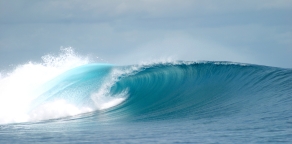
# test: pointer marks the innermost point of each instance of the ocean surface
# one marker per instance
(71, 99)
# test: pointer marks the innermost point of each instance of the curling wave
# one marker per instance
(69, 85)
(190, 90)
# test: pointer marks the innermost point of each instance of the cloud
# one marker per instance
(92, 10)
(124, 31)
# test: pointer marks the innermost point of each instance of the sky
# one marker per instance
(131, 31)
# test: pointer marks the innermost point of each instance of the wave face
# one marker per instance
(201, 102)
(197, 90)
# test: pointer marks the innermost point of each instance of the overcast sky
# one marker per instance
(130, 31)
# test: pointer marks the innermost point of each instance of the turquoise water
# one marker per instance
(176, 102)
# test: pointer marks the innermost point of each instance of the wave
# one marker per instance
(70, 85)
(196, 90)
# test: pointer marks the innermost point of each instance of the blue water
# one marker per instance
(182, 102)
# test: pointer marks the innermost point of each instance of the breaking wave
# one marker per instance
(69, 85)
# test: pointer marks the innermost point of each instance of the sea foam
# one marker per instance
(20, 87)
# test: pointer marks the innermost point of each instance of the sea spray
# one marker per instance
(23, 90)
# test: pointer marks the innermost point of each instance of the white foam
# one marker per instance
(102, 98)
(104, 101)
(18, 88)
(56, 109)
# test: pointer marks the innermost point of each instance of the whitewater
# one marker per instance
(70, 98)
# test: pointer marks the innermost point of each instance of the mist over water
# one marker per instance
(68, 97)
